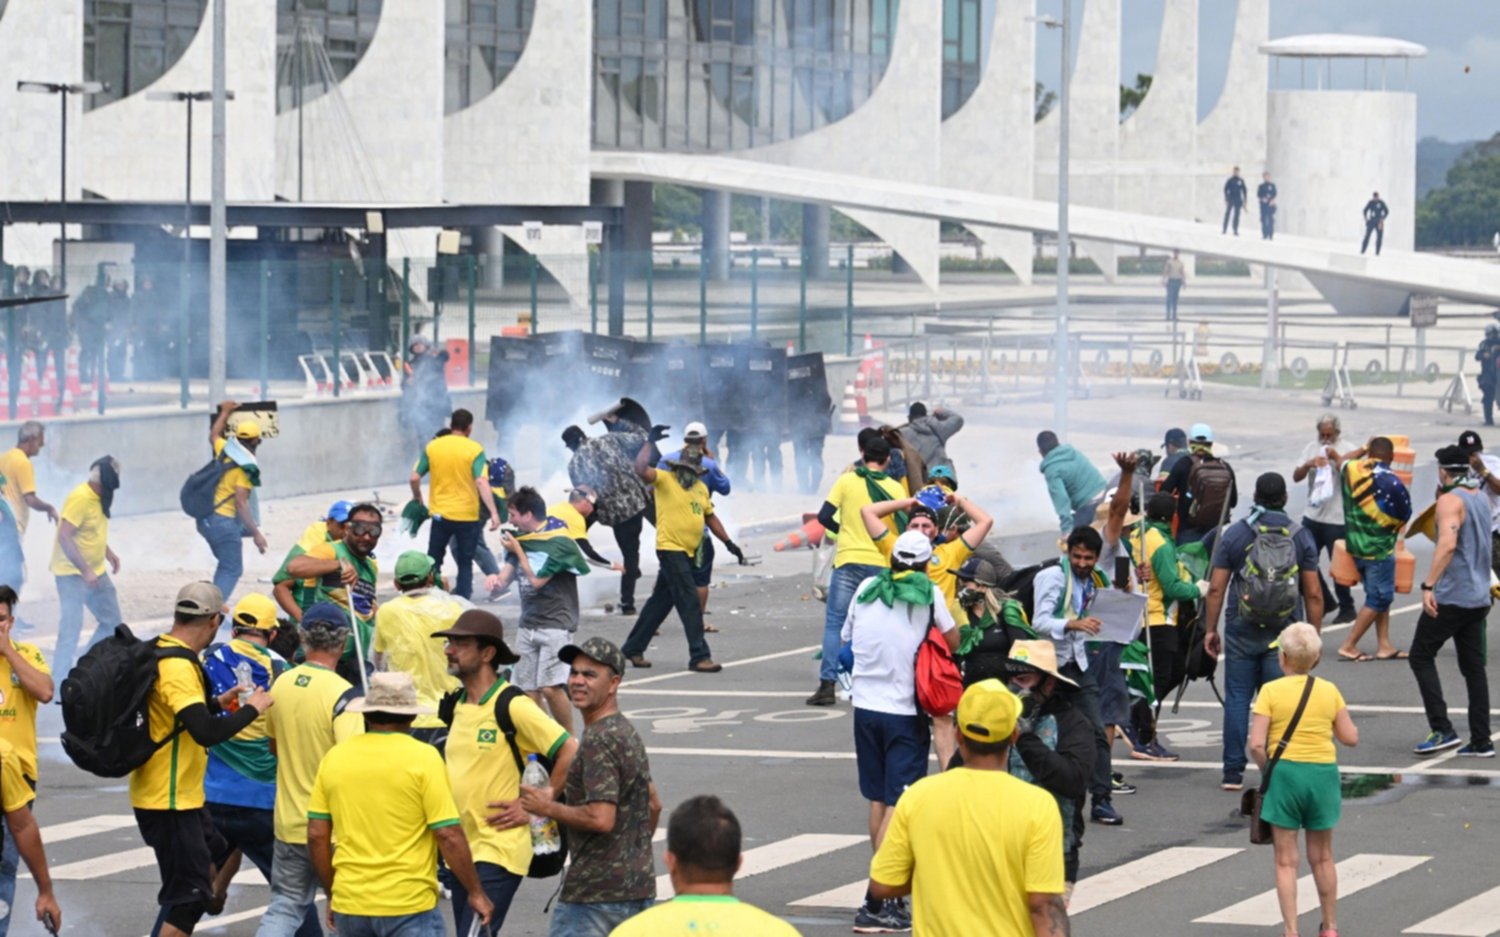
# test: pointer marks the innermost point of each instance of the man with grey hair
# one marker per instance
(82, 562)
(310, 717)
(18, 483)
(1324, 517)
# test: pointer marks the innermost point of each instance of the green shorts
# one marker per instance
(1303, 796)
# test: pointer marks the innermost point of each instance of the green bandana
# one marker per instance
(970, 635)
(911, 587)
(878, 494)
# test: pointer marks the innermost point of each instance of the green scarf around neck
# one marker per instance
(910, 586)
(877, 494)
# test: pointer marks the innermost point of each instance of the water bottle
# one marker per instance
(243, 675)
(545, 837)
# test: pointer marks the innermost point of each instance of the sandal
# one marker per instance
(1399, 655)
(710, 629)
(1359, 658)
(1327, 931)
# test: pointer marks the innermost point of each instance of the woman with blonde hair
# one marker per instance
(1302, 792)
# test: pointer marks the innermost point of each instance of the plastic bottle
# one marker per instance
(244, 676)
(545, 837)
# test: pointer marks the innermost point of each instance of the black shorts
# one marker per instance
(186, 844)
(703, 576)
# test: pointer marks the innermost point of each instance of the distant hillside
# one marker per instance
(1434, 158)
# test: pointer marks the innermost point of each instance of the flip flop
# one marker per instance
(1399, 655)
(1354, 658)
(710, 628)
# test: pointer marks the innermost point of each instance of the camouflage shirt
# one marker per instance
(611, 767)
(607, 464)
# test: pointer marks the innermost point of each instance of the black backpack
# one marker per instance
(1267, 578)
(197, 494)
(541, 866)
(1210, 483)
(106, 723)
(1022, 585)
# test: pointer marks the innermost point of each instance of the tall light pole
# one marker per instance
(189, 98)
(218, 216)
(1064, 242)
(62, 90)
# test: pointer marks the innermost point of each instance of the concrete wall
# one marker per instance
(1234, 132)
(1158, 143)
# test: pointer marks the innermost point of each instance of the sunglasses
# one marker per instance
(365, 528)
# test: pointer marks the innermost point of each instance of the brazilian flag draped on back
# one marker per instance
(1376, 507)
(551, 550)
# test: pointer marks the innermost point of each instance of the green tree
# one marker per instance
(1043, 101)
(1466, 211)
(1131, 98)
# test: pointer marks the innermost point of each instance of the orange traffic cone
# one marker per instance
(810, 535)
(47, 403)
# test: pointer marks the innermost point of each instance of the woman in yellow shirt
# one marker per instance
(1304, 791)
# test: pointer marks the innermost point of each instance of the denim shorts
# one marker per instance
(1379, 579)
(890, 752)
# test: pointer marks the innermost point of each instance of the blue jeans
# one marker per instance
(1379, 579)
(499, 885)
(223, 536)
(10, 860)
(425, 924)
(465, 536)
(252, 832)
(1244, 675)
(72, 597)
(841, 588)
(294, 887)
(589, 920)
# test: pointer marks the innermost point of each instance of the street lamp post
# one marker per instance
(62, 90)
(1064, 242)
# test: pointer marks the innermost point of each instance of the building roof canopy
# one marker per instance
(1339, 45)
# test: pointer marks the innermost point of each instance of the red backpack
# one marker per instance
(939, 684)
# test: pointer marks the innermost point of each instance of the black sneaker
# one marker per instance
(1345, 616)
(1118, 784)
(1477, 750)
(1232, 781)
(824, 695)
(627, 609)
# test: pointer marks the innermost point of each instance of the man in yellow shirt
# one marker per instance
(18, 478)
(236, 506)
(683, 507)
(25, 683)
(405, 637)
(460, 478)
(167, 791)
(80, 558)
(979, 851)
(703, 854)
(383, 878)
(485, 765)
(311, 716)
(856, 558)
(16, 797)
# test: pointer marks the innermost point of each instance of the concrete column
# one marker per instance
(489, 243)
(899, 265)
(638, 205)
(815, 227)
(608, 192)
(715, 221)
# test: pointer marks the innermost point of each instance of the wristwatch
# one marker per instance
(1426, 587)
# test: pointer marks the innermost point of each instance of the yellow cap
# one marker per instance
(247, 428)
(988, 711)
(255, 611)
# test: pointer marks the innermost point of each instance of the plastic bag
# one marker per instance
(1322, 487)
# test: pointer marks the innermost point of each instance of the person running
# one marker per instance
(167, 791)
(404, 640)
(703, 855)
(1376, 508)
(1301, 786)
(485, 762)
(311, 716)
(25, 671)
(346, 572)
(1455, 606)
(236, 504)
(295, 595)
(1074, 485)
(611, 805)
(978, 850)
(82, 562)
(460, 480)
(17, 797)
(928, 433)
(683, 508)
(1320, 466)
(382, 879)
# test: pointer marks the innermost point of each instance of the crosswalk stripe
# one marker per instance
(88, 826)
(214, 925)
(1477, 917)
(101, 866)
(1131, 877)
(783, 852)
(1355, 875)
(845, 897)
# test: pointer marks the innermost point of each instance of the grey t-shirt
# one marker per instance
(555, 605)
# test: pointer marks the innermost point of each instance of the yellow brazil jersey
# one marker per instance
(680, 515)
(20, 481)
(1312, 743)
(578, 528)
(704, 916)
(173, 777)
(308, 719)
(454, 462)
(942, 569)
(403, 636)
(18, 708)
(15, 793)
(83, 509)
(848, 495)
(483, 771)
(973, 844)
(386, 861)
(230, 482)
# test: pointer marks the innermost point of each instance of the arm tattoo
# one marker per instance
(1057, 917)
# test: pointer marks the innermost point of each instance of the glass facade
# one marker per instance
(128, 44)
(485, 39)
(962, 41)
(335, 34)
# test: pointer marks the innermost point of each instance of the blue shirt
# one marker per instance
(715, 479)
(1229, 553)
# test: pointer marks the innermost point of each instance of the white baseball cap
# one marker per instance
(695, 430)
(912, 548)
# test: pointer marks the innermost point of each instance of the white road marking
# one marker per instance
(1355, 875)
(215, 925)
(101, 866)
(748, 694)
(845, 897)
(1131, 877)
(88, 826)
(1477, 917)
(1330, 629)
(783, 852)
(1426, 765)
(734, 663)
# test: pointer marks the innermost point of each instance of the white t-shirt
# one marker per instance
(885, 650)
(1332, 510)
(1492, 465)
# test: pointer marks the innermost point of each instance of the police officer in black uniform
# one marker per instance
(1266, 194)
(1235, 194)
(1375, 213)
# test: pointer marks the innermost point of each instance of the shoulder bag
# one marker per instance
(1250, 801)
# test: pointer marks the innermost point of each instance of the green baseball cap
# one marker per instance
(412, 567)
